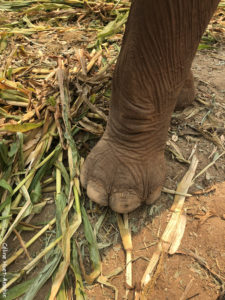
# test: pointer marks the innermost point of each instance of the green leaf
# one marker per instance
(5, 161)
(20, 127)
(62, 292)
(215, 156)
(32, 209)
(60, 202)
(204, 46)
(4, 184)
(13, 149)
(93, 248)
(44, 169)
(74, 264)
(17, 290)
(5, 222)
(113, 27)
(9, 116)
(11, 5)
(14, 95)
(65, 175)
(5, 217)
(99, 222)
(43, 275)
(6, 202)
(20, 152)
(35, 195)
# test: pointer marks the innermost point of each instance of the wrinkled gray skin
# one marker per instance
(152, 76)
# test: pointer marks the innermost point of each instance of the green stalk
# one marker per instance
(29, 243)
(31, 264)
(35, 168)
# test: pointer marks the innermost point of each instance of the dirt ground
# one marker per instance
(183, 274)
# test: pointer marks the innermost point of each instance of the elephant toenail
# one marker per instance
(155, 194)
(97, 193)
(124, 202)
(83, 175)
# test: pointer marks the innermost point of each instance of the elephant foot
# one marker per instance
(187, 93)
(120, 178)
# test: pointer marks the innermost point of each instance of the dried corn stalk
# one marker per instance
(172, 235)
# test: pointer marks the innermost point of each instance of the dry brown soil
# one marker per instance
(183, 274)
(203, 241)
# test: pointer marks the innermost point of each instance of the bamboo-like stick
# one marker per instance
(174, 231)
(31, 264)
(20, 214)
(28, 244)
(208, 166)
(93, 60)
(127, 244)
(169, 191)
(35, 168)
(16, 103)
(128, 248)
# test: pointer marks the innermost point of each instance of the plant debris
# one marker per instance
(57, 60)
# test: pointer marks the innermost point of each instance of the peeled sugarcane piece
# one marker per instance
(127, 244)
(173, 233)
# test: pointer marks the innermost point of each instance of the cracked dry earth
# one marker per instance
(183, 274)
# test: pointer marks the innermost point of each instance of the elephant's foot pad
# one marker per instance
(118, 178)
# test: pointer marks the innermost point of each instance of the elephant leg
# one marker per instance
(126, 168)
(187, 93)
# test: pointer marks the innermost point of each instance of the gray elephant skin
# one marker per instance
(152, 76)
